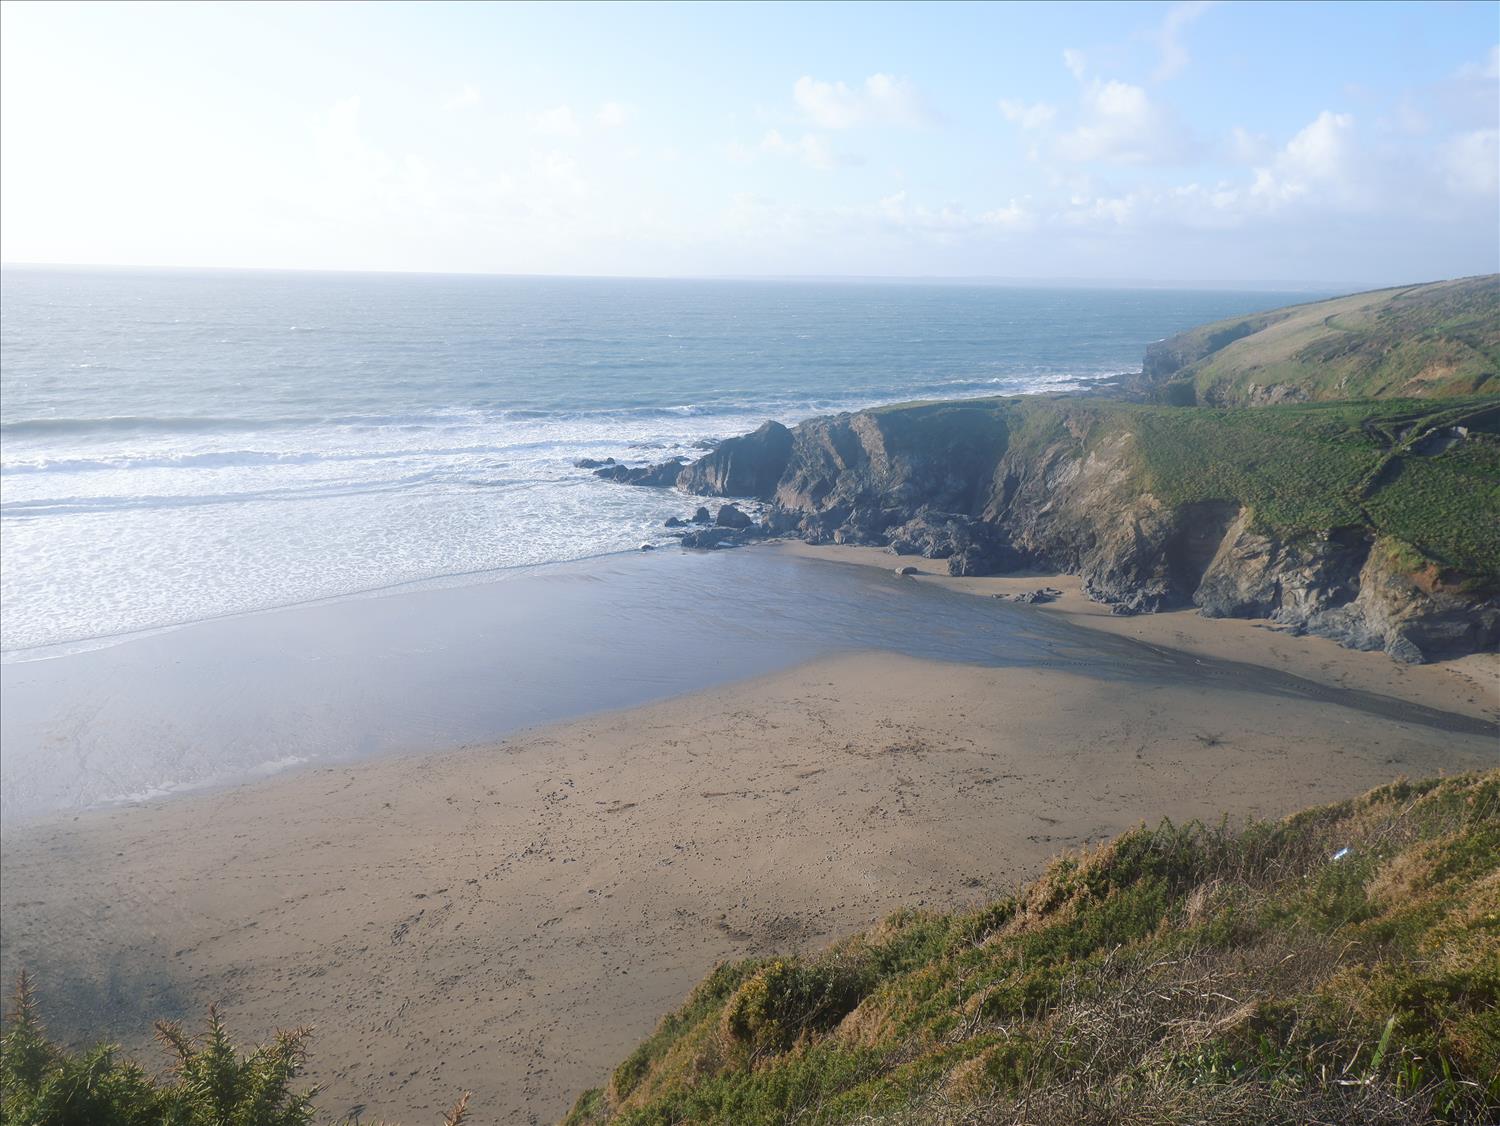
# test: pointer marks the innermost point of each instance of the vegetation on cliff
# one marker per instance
(1395, 468)
(1342, 965)
(1412, 342)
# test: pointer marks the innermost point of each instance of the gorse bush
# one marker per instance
(208, 1082)
(1341, 966)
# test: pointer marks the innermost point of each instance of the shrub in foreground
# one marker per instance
(209, 1083)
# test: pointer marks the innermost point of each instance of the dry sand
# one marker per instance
(513, 919)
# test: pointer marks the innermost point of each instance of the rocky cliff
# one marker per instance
(1377, 525)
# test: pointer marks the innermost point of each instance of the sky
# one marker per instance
(1309, 144)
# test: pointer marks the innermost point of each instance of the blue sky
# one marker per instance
(1307, 143)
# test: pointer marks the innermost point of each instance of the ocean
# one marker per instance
(178, 446)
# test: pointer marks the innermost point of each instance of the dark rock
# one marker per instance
(731, 517)
(593, 462)
(658, 476)
(779, 522)
(748, 466)
(907, 570)
(704, 539)
(866, 525)
(716, 537)
(1033, 597)
(675, 522)
(648, 547)
(972, 547)
(702, 515)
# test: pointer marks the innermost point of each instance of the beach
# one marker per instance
(510, 917)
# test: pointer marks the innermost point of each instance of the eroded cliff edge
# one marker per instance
(1373, 523)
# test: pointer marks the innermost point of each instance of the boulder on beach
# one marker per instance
(1032, 597)
(731, 517)
(705, 539)
(907, 570)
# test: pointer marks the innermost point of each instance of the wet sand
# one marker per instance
(1469, 685)
(512, 918)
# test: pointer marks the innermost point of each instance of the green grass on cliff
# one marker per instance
(1342, 965)
(1308, 468)
(1412, 342)
(1301, 469)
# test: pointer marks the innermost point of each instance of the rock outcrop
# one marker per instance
(749, 466)
(665, 473)
(730, 516)
(1065, 485)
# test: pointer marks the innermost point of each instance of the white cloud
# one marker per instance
(1407, 118)
(612, 115)
(468, 96)
(1174, 54)
(1013, 216)
(560, 171)
(1120, 123)
(1321, 169)
(559, 121)
(1490, 68)
(1075, 62)
(950, 221)
(811, 149)
(883, 100)
(1246, 147)
(1471, 162)
(1033, 116)
(1323, 150)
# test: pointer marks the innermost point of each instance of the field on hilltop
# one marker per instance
(1412, 342)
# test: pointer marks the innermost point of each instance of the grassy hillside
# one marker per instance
(1414, 342)
(1342, 965)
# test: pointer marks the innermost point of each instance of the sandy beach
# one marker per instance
(511, 919)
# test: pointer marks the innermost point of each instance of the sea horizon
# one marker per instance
(1246, 285)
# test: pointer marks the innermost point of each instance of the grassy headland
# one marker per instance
(1339, 965)
(1411, 342)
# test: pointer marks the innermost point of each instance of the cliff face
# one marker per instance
(747, 466)
(1088, 489)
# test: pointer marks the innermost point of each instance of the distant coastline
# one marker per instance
(1333, 467)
